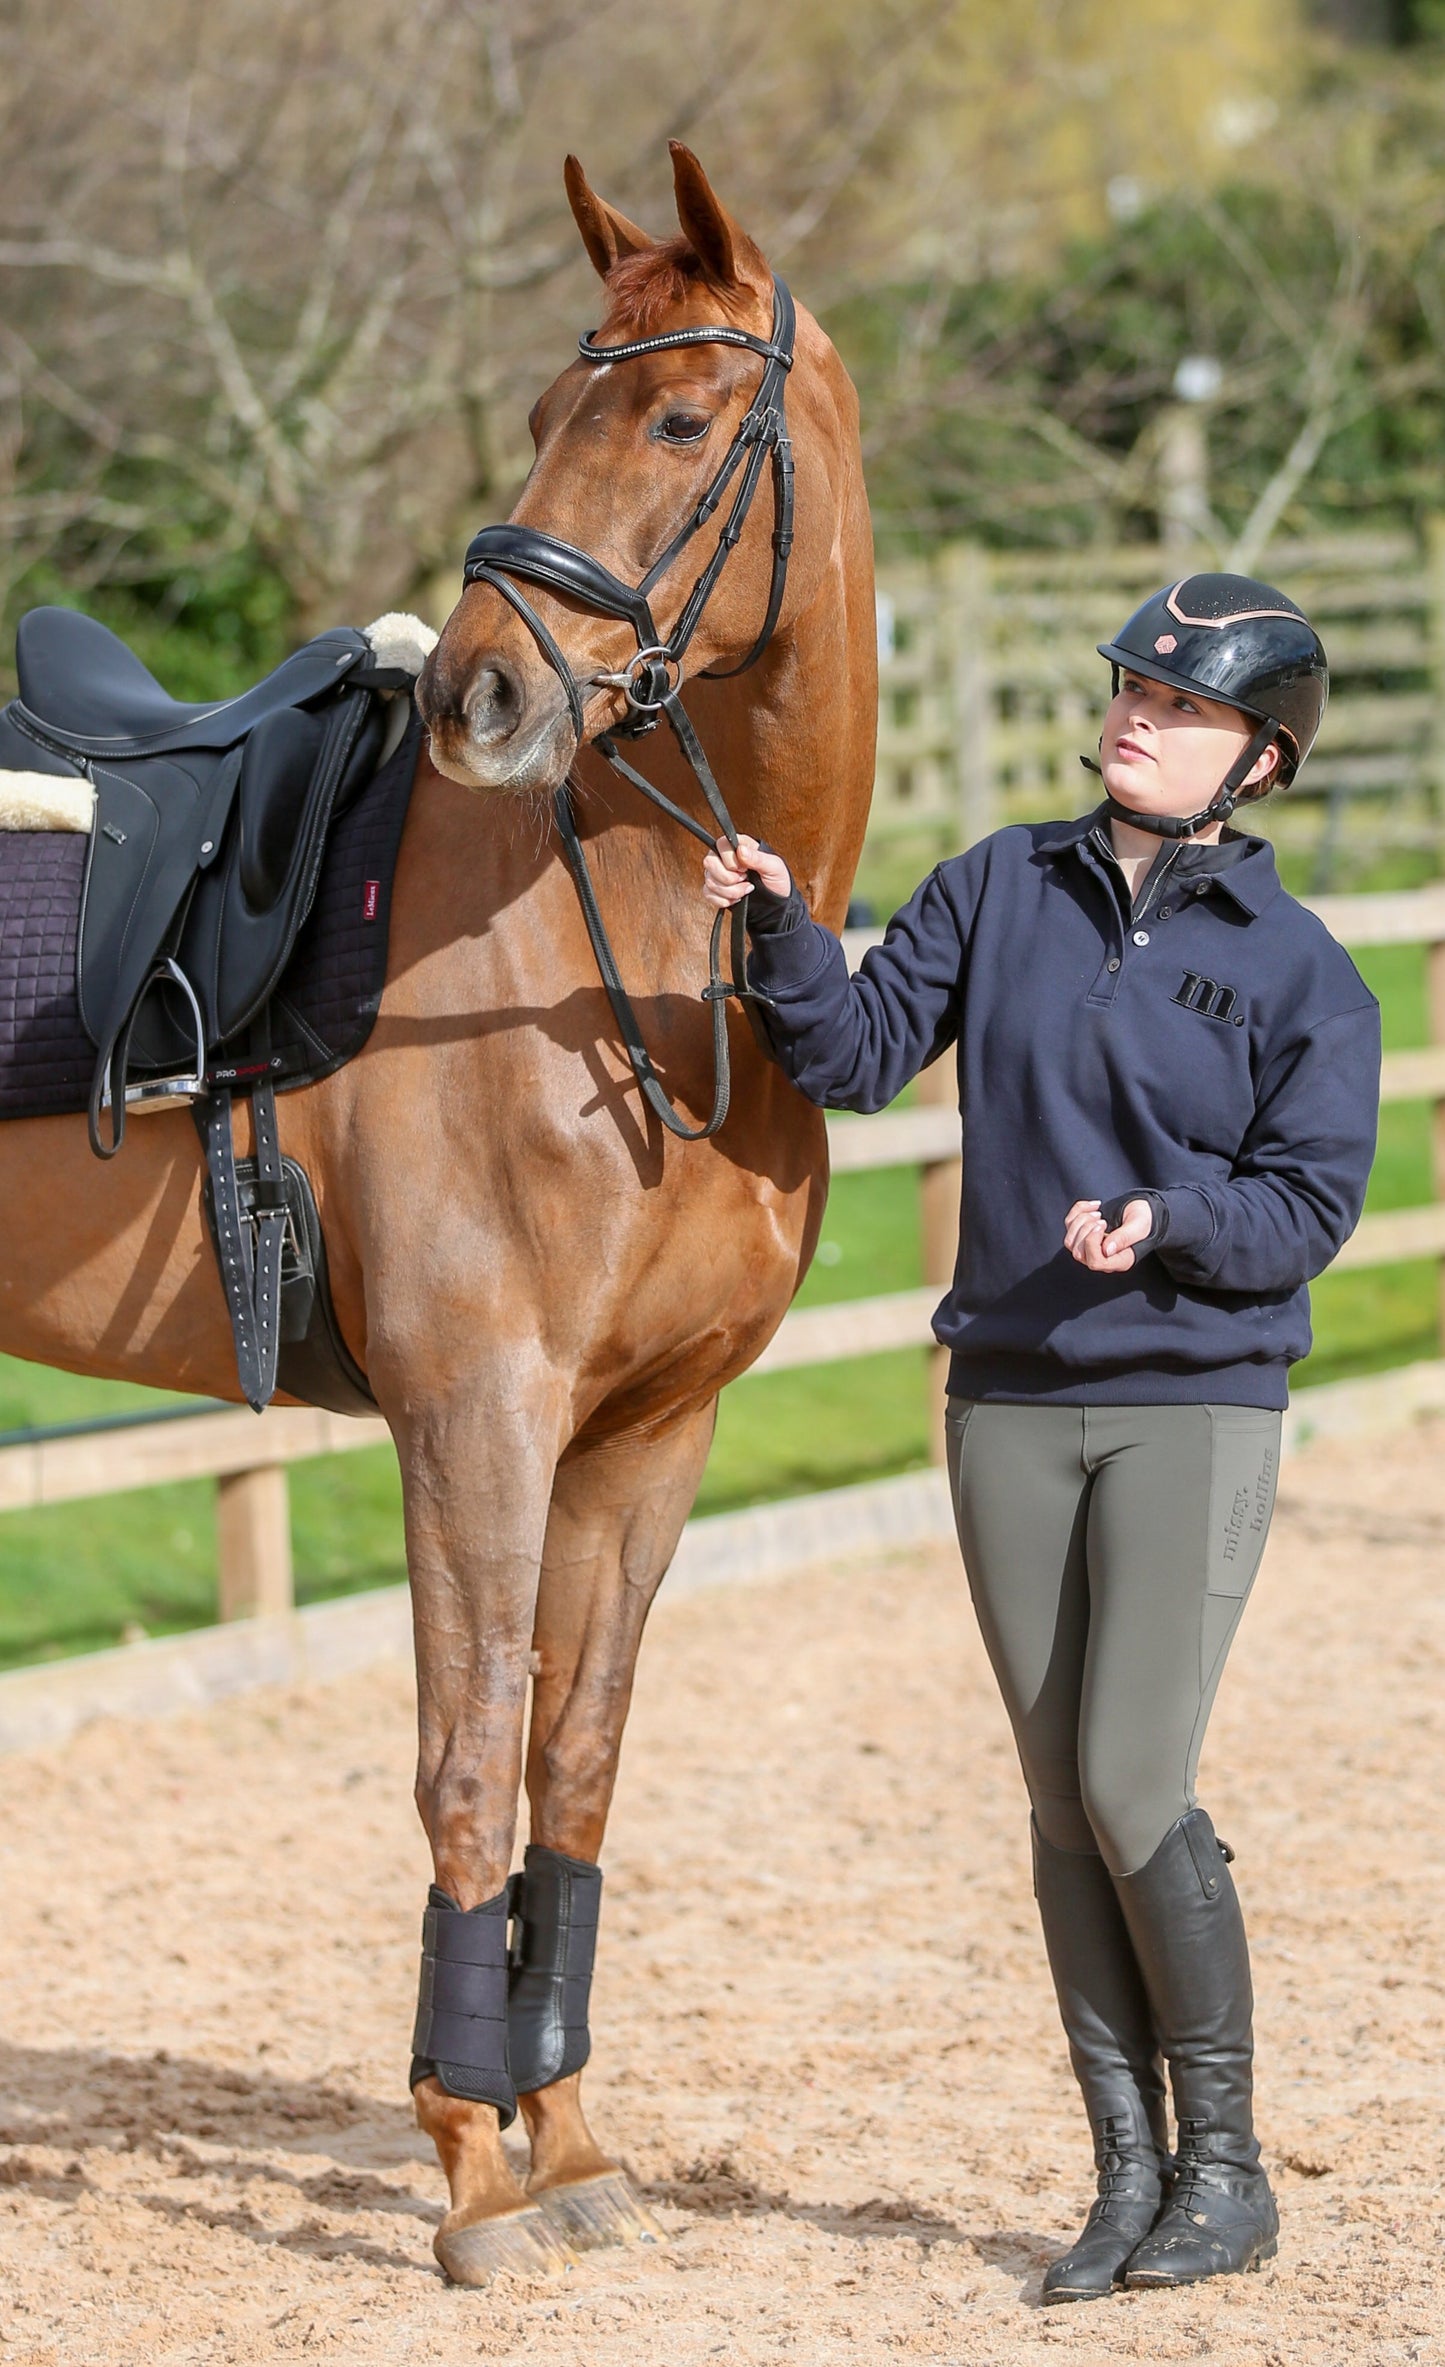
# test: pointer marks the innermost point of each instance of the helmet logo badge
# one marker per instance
(1166, 644)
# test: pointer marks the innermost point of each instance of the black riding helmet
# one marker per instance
(1243, 643)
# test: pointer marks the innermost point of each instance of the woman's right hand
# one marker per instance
(725, 879)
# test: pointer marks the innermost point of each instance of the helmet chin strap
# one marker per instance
(1220, 806)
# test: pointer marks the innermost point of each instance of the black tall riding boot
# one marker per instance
(1188, 1933)
(1116, 2061)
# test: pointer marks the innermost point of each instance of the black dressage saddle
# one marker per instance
(209, 830)
(209, 827)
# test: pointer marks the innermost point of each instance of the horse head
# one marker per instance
(626, 453)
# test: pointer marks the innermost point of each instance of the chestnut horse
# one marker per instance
(546, 1291)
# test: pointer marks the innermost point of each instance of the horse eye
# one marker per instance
(684, 427)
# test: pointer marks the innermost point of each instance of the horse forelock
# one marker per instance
(644, 289)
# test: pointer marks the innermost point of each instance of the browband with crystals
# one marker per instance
(591, 351)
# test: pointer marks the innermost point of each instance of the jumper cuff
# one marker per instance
(793, 958)
(1188, 1220)
(775, 916)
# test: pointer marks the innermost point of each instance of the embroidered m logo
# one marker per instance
(1207, 997)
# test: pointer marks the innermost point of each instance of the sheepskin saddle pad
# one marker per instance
(271, 898)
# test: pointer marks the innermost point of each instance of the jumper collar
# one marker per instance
(1249, 877)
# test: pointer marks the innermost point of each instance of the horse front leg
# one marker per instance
(476, 1482)
(618, 1509)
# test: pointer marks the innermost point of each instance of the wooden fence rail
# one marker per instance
(247, 1456)
(990, 689)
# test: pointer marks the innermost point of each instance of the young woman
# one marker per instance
(1168, 1078)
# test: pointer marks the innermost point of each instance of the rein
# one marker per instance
(652, 680)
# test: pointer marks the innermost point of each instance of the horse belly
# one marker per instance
(106, 1267)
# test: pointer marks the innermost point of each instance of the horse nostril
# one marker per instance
(494, 705)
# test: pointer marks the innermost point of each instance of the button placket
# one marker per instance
(1106, 982)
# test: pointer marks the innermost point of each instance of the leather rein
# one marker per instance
(652, 680)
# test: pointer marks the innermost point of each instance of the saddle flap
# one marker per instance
(140, 866)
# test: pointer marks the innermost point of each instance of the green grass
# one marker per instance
(73, 1579)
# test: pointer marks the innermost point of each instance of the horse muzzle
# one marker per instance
(495, 725)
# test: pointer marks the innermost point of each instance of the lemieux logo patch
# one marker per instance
(1209, 999)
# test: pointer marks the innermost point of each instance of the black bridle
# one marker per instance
(651, 681)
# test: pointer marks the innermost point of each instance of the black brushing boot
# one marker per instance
(1183, 1915)
(554, 1905)
(1116, 2061)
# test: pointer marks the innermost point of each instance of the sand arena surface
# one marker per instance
(825, 2037)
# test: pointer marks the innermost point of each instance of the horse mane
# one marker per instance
(644, 288)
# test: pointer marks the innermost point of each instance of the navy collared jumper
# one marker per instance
(1212, 1049)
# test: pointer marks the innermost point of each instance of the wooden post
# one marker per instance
(1435, 792)
(963, 619)
(253, 1538)
(940, 1183)
(1435, 1013)
(1183, 481)
(1435, 640)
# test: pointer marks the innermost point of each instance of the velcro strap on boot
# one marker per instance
(461, 2015)
(556, 1902)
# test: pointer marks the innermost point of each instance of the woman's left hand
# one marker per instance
(1088, 1238)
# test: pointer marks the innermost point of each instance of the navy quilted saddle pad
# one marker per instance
(322, 1012)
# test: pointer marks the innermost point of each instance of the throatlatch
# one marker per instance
(554, 1902)
(461, 2014)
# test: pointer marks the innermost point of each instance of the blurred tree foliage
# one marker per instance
(1034, 415)
(278, 287)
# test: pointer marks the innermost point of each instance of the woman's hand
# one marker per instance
(1088, 1238)
(725, 878)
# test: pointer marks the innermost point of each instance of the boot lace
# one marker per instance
(1118, 2168)
(1196, 2172)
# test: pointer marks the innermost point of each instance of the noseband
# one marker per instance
(652, 679)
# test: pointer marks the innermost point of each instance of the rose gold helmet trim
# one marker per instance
(1216, 624)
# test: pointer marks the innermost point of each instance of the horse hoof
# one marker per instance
(525, 2242)
(604, 2210)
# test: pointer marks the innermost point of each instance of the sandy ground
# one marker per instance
(825, 2039)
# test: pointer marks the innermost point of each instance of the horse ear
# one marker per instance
(728, 255)
(606, 234)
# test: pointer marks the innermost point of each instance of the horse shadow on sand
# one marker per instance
(209, 2121)
(716, 2188)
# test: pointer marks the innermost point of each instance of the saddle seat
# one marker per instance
(83, 686)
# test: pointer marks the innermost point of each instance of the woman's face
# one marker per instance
(1165, 751)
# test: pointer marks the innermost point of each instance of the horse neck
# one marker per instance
(793, 740)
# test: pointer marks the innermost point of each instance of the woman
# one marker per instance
(1168, 1077)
